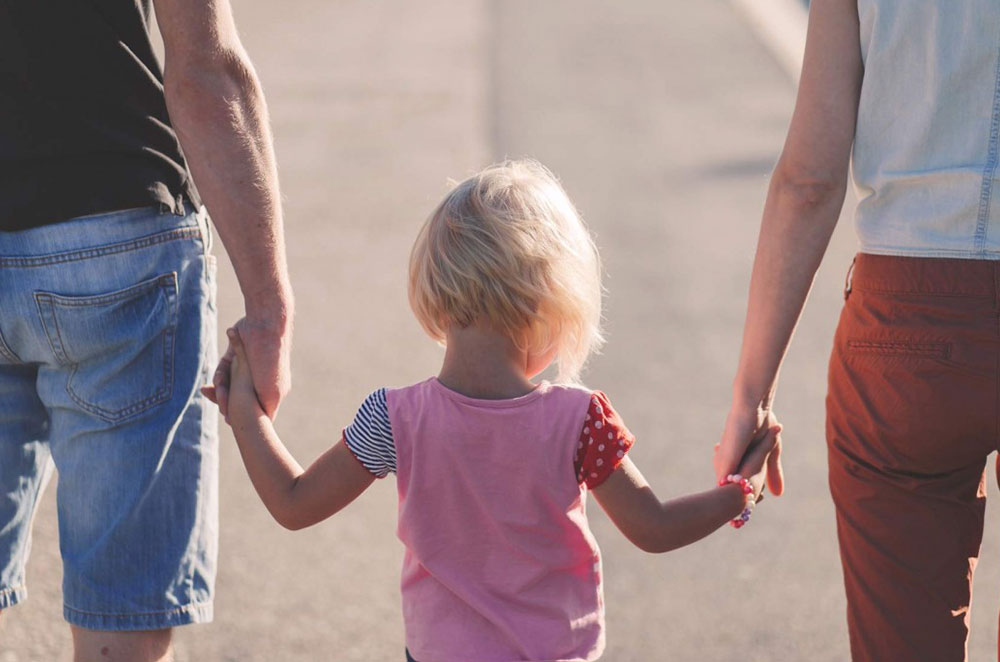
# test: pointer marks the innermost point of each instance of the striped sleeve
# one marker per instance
(369, 437)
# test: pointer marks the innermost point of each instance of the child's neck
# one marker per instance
(482, 363)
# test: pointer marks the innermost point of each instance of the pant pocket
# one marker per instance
(7, 355)
(118, 346)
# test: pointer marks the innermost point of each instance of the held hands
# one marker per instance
(241, 396)
(267, 348)
(755, 462)
(746, 433)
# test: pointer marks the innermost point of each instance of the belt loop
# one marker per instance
(849, 279)
(205, 226)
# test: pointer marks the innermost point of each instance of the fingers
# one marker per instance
(728, 457)
(775, 474)
(220, 381)
(761, 447)
(236, 342)
(264, 357)
(269, 404)
(771, 440)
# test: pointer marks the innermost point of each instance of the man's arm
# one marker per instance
(217, 108)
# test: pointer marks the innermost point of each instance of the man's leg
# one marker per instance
(143, 646)
(25, 469)
(130, 326)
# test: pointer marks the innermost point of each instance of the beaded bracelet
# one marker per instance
(750, 502)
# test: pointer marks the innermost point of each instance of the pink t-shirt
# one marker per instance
(500, 563)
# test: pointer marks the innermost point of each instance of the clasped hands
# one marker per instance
(746, 429)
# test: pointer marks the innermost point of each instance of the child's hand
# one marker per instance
(243, 400)
(753, 466)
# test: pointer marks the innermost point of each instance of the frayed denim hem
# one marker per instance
(157, 620)
(11, 596)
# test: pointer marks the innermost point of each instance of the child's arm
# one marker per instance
(655, 526)
(295, 498)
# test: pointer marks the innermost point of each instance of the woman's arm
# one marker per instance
(295, 498)
(655, 526)
(803, 205)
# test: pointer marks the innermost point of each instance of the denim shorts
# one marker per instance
(107, 332)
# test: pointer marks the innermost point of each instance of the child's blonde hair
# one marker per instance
(507, 247)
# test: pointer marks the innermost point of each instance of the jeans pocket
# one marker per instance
(118, 347)
(7, 355)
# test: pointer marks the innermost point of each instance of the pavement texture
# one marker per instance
(663, 120)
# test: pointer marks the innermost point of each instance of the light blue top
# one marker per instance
(925, 150)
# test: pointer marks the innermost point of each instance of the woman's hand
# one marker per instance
(744, 427)
(760, 455)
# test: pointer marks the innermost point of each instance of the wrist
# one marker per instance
(735, 500)
(747, 398)
(743, 490)
(247, 420)
(749, 394)
(273, 311)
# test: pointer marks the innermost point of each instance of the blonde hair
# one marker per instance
(507, 247)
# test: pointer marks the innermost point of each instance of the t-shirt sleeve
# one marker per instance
(603, 443)
(369, 437)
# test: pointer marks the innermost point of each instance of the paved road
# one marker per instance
(663, 119)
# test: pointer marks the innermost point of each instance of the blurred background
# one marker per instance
(663, 119)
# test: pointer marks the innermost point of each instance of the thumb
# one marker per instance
(775, 474)
(758, 451)
(728, 455)
(236, 341)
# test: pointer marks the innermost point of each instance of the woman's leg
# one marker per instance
(911, 418)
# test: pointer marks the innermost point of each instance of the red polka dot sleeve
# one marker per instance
(603, 444)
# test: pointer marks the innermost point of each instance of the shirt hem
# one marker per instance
(940, 253)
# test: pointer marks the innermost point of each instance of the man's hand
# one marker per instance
(243, 400)
(268, 349)
(743, 428)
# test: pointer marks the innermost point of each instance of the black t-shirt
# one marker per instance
(83, 121)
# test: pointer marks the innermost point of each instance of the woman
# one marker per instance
(912, 409)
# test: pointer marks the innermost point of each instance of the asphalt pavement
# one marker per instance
(663, 120)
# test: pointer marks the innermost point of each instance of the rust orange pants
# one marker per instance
(912, 413)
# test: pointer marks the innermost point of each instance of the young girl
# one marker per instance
(493, 469)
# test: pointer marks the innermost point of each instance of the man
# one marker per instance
(107, 311)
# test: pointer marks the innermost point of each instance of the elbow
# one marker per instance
(292, 525)
(659, 547)
(805, 188)
(289, 519)
(652, 544)
(224, 75)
